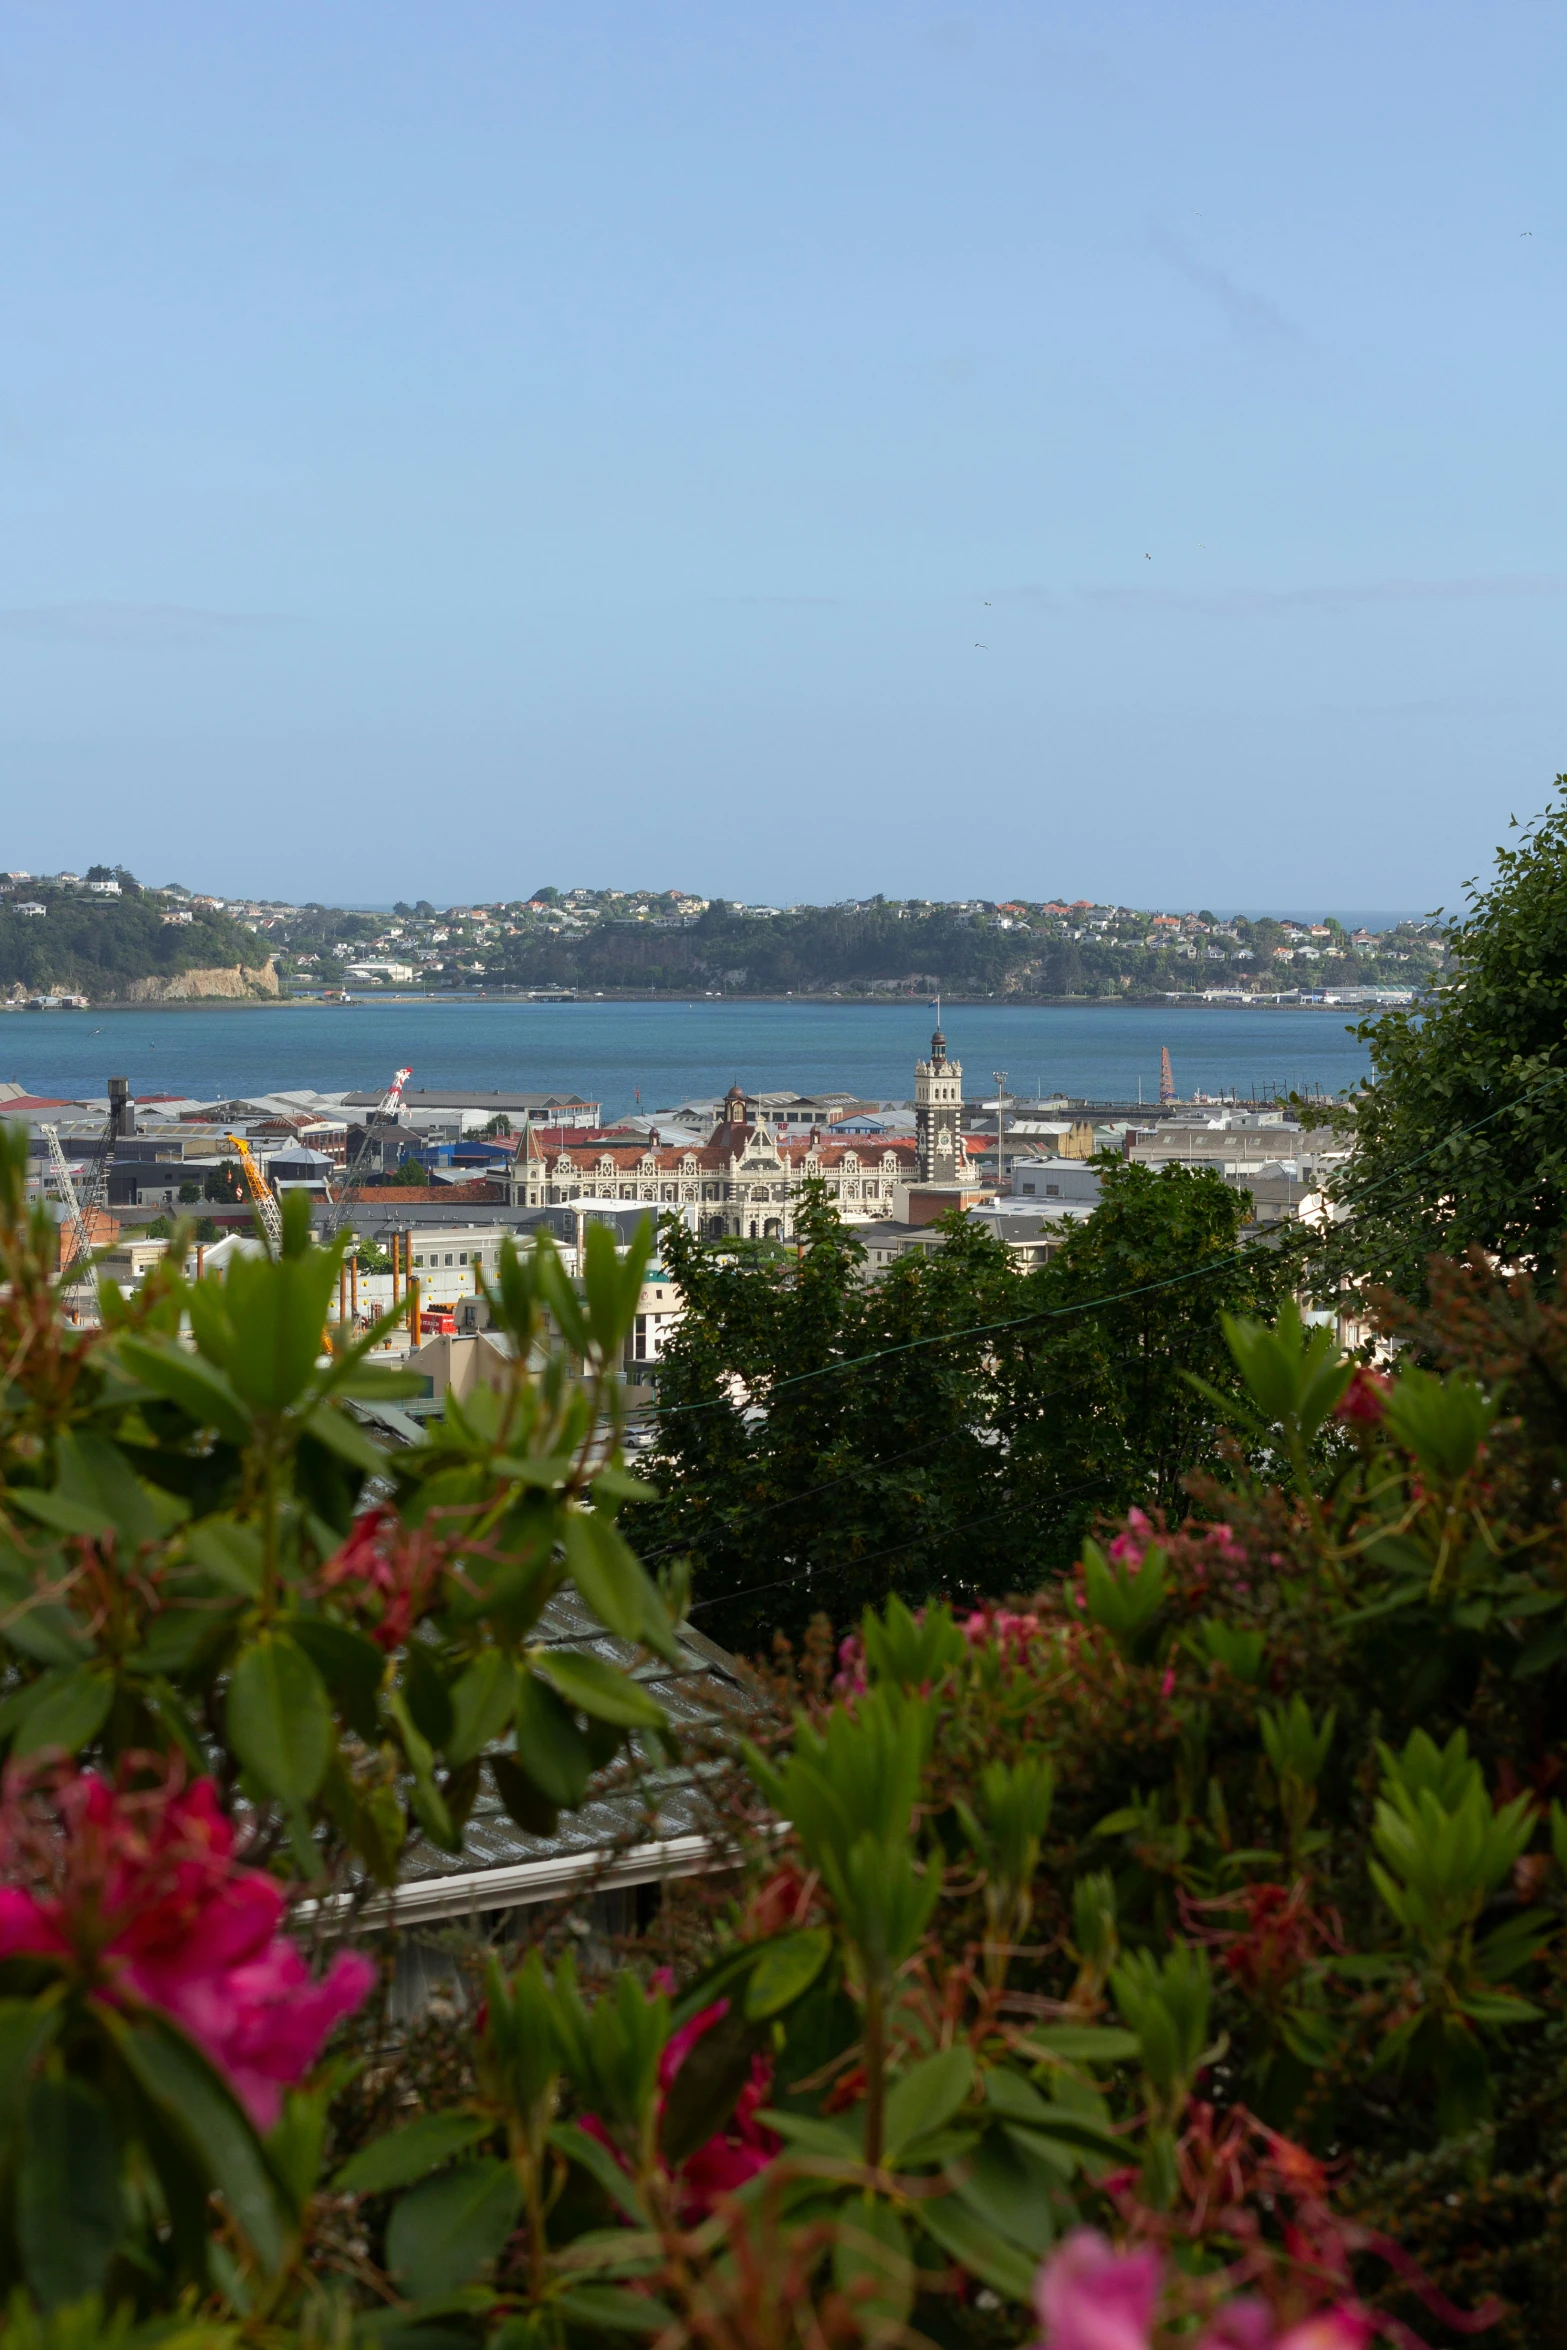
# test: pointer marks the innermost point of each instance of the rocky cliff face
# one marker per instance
(230, 981)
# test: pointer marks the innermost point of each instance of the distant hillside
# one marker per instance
(100, 947)
(802, 952)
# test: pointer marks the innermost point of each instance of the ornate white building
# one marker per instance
(743, 1181)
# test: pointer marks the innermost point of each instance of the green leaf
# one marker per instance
(69, 1715)
(1018, 2101)
(614, 2309)
(47, 1633)
(1076, 2131)
(342, 1434)
(65, 1517)
(350, 1664)
(1498, 2007)
(278, 1313)
(872, 2266)
(596, 2159)
(702, 2095)
(95, 1474)
(279, 1720)
(786, 1968)
(550, 1746)
(1083, 2043)
(201, 1391)
(1513, 1945)
(408, 2154)
(483, 1700)
(1539, 1654)
(839, 2139)
(544, 1470)
(599, 1689)
(230, 1553)
(198, 2105)
(428, 1803)
(613, 1581)
(70, 2215)
(927, 2097)
(27, 2028)
(967, 2240)
(441, 2236)
(1006, 2186)
(426, 1694)
(619, 1485)
(527, 1804)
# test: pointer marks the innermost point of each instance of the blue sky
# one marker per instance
(786, 451)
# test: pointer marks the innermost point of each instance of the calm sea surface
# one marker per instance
(623, 1054)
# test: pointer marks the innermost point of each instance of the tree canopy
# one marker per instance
(953, 1426)
(1461, 1140)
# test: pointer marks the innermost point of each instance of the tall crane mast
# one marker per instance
(385, 1111)
(264, 1200)
(81, 1243)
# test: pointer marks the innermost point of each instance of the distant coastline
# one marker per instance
(847, 1003)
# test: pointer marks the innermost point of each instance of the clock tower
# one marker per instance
(938, 1114)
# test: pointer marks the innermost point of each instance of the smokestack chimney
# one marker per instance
(122, 1109)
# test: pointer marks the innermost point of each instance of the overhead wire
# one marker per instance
(1064, 1493)
(659, 1413)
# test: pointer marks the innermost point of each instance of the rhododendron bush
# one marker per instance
(1169, 1956)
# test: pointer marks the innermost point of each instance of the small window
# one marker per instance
(448, 1256)
(1052, 1190)
(418, 1260)
(462, 1257)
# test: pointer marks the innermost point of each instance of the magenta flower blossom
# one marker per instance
(1091, 2297)
(734, 2154)
(141, 1893)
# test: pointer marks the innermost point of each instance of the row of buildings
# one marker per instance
(436, 1179)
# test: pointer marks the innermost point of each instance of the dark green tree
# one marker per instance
(1108, 1393)
(1461, 1138)
(825, 1440)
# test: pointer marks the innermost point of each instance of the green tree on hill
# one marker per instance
(97, 946)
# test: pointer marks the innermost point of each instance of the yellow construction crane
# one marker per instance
(268, 1214)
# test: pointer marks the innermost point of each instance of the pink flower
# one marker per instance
(1167, 1683)
(1240, 2325)
(849, 1679)
(733, 2154)
(1329, 2329)
(387, 1573)
(1248, 2325)
(141, 1892)
(737, 2152)
(1131, 1544)
(1003, 1628)
(1091, 2297)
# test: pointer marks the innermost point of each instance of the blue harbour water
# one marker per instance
(655, 1055)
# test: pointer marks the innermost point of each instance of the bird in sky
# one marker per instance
(979, 648)
(1147, 558)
